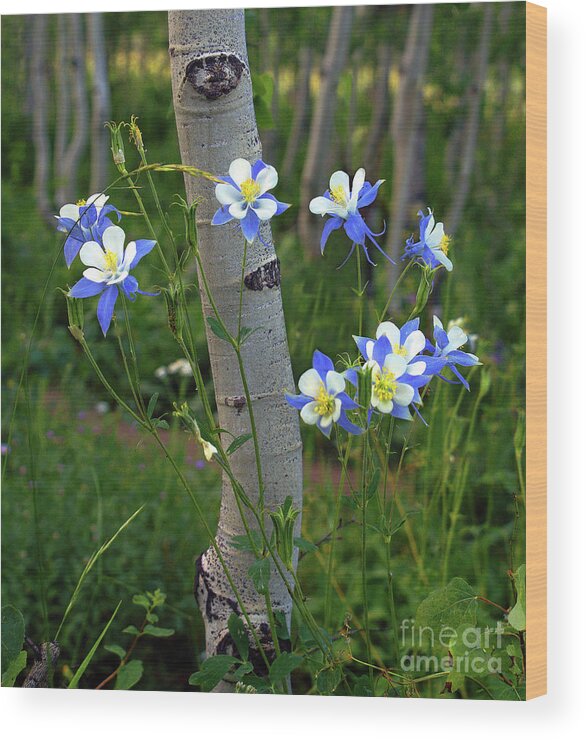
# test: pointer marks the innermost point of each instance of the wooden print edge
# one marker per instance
(536, 398)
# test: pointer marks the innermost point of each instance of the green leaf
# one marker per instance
(328, 678)
(116, 649)
(450, 606)
(218, 329)
(517, 615)
(131, 630)
(12, 634)
(129, 675)
(242, 670)
(304, 545)
(468, 655)
(245, 333)
(283, 665)
(242, 541)
(239, 634)
(141, 600)
(260, 572)
(152, 404)
(373, 485)
(15, 667)
(86, 661)
(238, 442)
(161, 423)
(153, 631)
(212, 671)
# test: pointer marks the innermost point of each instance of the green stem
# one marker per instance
(392, 293)
(363, 490)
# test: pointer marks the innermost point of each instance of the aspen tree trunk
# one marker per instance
(380, 111)
(470, 137)
(405, 127)
(301, 106)
(315, 176)
(212, 96)
(63, 110)
(76, 72)
(100, 103)
(39, 98)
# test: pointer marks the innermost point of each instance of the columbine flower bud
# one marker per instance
(183, 412)
(117, 144)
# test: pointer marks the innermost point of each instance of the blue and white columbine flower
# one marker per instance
(108, 271)
(447, 349)
(433, 244)
(84, 221)
(244, 196)
(394, 380)
(343, 206)
(323, 400)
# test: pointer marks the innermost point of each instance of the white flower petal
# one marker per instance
(369, 347)
(322, 205)
(309, 414)
(227, 194)
(238, 210)
(118, 277)
(385, 407)
(265, 208)
(240, 171)
(92, 255)
(404, 394)
(437, 323)
(456, 338)
(337, 409)
(416, 368)
(358, 182)
(443, 258)
(335, 382)
(414, 344)
(434, 238)
(267, 179)
(98, 199)
(389, 330)
(341, 178)
(430, 224)
(396, 365)
(69, 211)
(95, 275)
(129, 255)
(113, 240)
(310, 383)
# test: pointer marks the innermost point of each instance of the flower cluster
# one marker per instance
(101, 248)
(397, 363)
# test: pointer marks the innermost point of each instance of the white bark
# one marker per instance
(405, 126)
(100, 103)
(315, 176)
(212, 96)
(470, 137)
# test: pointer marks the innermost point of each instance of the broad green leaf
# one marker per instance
(86, 661)
(328, 678)
(116, 649)
(129, 675)
(238, 442)
(517, 615)
(212, 671)
(141, 600)
(239, 635)
(242, 670)
(242, 541)
(161, 423)
(304, 545)
(12, 634)
(260, 572)
(246, 332)
(469, 656)
(451, 605)
(218, 329)
(14, 668)
(150, 629)
(131, 630)
(283, 665)
(152, 403)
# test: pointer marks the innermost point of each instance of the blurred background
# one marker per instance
(429, 98)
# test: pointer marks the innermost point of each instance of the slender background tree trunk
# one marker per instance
(301, 107)
(100, 102)
(315, 175)
(40, 103)
(216, 124)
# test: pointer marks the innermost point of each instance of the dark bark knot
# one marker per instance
(265, 276)
(214, 75)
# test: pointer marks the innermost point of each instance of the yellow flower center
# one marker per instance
(399, 350)
(445, 243)
(81, 202)
(384, 384)
(324, 402)
(250, 190)
(338, 195)
(111, 261)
